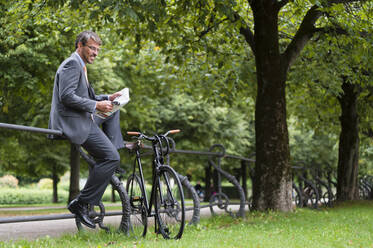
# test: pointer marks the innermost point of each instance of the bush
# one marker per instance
(29, 196)
(45, 183)
(64, 186)
(8, 181)
(40, 194)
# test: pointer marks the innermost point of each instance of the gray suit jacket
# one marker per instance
(73, 101)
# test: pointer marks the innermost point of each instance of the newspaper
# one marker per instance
(118, 102)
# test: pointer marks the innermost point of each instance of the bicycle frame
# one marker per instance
(169, 207)
(157, 162)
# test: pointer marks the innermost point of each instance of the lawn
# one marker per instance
(346, 225)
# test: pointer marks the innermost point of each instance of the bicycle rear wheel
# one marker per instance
(169, 204)
(138, 219)
(297, 197)
(310, 196)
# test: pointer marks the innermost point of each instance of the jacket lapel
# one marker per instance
(84, 80)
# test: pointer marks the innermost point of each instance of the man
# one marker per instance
(72, 111)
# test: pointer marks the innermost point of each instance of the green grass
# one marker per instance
(346, 225)
(23, 210)
(58, 208)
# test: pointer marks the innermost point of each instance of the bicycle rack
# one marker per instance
(231, 179)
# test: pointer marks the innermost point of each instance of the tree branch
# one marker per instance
(208, 29)
(245, 31)
(302, 36)
(369, 133)
(282, 3)
(249, 37)
(306, 31)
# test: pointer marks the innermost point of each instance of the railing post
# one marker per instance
(74, 171)
(207, 182)
(244, 177)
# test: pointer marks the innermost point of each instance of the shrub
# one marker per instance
(29, 196)
(64, 185)
(45, 183)
(8, 181)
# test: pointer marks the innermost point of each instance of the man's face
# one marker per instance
(89, 51)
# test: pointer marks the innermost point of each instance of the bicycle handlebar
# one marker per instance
(133, 133)
(156, 140)
(173, 131)
(141, 135)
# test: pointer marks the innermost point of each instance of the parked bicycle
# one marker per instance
(166, 193)
(306, 188)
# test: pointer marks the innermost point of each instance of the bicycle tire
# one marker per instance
(138, 222)
(169, 203)
(328, 198)
(310, 196)
(297, 196)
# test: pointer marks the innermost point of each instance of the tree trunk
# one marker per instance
(55, 180)
(74, 172)
(207, 182)
(347, 178)
(215, 182)
(272, 180)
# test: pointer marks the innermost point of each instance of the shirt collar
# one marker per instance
(81, 60)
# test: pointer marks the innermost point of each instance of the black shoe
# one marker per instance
(81, 211)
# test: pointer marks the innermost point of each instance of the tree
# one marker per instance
(33, 41)
(272, 180)
(342, 72)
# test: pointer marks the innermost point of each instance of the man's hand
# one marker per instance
(115, 95)
(104, 106)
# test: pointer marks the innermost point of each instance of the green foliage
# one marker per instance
(203, 124)
(29, 196)
(34, 39)
(341, 53)
(39, 194)
(45, 183)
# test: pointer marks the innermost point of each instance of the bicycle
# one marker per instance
(307, 189)
(166, 193)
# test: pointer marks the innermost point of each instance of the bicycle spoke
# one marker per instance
(169, 204)
(138, 219)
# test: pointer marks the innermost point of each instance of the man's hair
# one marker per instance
(84, 36)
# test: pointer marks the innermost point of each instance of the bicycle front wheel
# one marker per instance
(169, 203)
(138, 219)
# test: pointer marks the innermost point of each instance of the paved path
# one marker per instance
(55, 228)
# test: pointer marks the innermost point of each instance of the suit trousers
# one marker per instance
(111, 127)
(107, 158)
